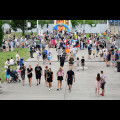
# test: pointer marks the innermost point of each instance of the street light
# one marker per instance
(118, 33)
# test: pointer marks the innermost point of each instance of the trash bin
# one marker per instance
(118, 66)
(21, 61)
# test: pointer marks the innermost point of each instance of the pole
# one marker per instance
(37, 28)
(114, 26)
(118, 33)
(107, 33)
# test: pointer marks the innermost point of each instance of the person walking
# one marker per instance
(70, 75)
(38, 73)
(45, 75)
(23, 69)
(60, 75)
(62, 60)
(49, 56)
(38, 55)
(50, 78)
(82, 63)
(29, 73)
(97, 85)
(71, 61)
(103, 82)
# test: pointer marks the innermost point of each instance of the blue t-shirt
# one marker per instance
(72, 41)
(116, 56)
(45, 52)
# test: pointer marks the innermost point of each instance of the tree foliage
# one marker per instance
(43, 22)
(1, 32)
(22, 24)
(92, 23)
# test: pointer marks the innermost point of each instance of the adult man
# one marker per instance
(23, 69)
(31, 51)
(69, 77)
(38, 73)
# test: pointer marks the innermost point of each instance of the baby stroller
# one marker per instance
(14, 76)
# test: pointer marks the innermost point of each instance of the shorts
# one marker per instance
(70, 81)
(82, 64)
(38, 76)
(103, 85)
(49, 80)
(8, 76)
(112, 52)
(23, 77)
(60, 78)
(61, 64)
(38, 56)
(38, 46)
(49, 58)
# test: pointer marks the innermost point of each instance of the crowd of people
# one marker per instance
(67, 46)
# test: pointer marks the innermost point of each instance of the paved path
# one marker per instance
(83, 88)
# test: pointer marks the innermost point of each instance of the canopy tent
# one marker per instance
(66, 27)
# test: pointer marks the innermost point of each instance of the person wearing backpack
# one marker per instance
(71, 61)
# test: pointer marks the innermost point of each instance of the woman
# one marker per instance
(50, 78)
(71, 61)
(60, 75)
(97, 85)
(45, 75)
(8, 74)
(29, 73)
(101, 53)
(38, 55)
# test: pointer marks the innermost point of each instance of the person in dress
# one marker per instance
(97, 84)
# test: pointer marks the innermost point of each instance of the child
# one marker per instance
(94, 52)
(0, 82)
(82, 62)
(113, 61)
(18, 69)
(77, 62)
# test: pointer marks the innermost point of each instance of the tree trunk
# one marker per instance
(23, 32)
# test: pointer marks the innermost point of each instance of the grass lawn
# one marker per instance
(24, 53)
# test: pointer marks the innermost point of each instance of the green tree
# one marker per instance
(22, 24)
(1, 31)
(43, 22)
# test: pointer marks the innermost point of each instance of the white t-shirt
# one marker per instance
(17, 57)
(38, 52)
(90, 41)
(17, 43)
(18, 67)
(49, 54)
(11, 62)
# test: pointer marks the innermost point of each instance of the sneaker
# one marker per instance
(102, 95)
(57, 89)
(39, 82)
(49, 89)
(60, 88)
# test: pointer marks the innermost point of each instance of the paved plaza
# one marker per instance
(83, 88)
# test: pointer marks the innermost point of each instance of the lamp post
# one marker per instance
(118, 33)
(37, 28)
